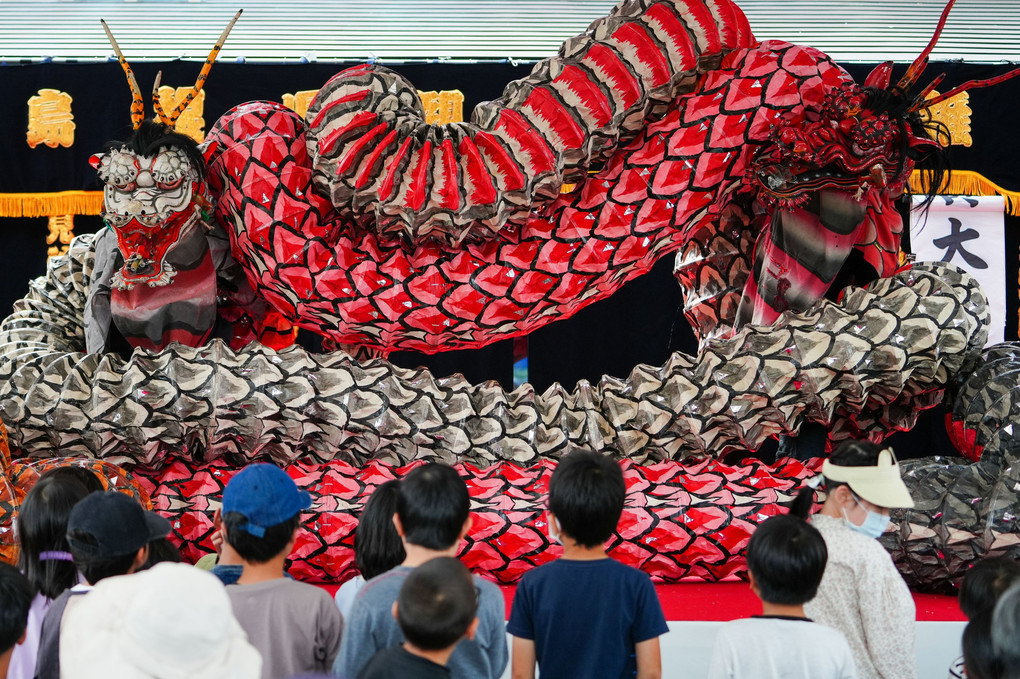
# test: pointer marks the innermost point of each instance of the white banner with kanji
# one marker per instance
(970, 232)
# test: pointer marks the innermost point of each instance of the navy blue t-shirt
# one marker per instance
(585, 617)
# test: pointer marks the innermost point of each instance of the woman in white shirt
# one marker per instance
(862, 594)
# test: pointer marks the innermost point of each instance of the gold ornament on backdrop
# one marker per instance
(299, 101)
(191, 122)
(62, 232)
(50, 120)
(955, 114)
(446, 106)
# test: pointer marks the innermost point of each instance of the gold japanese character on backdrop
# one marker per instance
(954, 113)
(299, 101)
(50, 120)
(191, 122)
(61, 231)
(446, 106)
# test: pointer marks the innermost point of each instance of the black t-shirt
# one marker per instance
(396, 663)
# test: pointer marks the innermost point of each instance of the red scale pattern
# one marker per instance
(680, 520)
(333, 277)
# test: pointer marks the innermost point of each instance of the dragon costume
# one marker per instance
(665, 128)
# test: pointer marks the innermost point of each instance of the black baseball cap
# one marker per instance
(112, 524)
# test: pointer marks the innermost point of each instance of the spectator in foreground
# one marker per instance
(45, 558)
(109, 534)
(435, 609)
(980, 661)
(585, 614)
(15, 600)
(433, 516)
(982, 586)
(295, 626)
(862, 594)
(377, 546)
(1005, 634)
(172, 620)
(786, 558)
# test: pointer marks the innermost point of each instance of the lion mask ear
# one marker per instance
(95, 160)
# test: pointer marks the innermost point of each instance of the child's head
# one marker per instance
(377, 545)
(433, 507)
(437, 604)
(173, 620)
(42, 528)
(985, 582)
(108, 534)
(1006, 632)
(786, 557)
(261, 505)
(586, 494)
(15, 600)
(979, 657)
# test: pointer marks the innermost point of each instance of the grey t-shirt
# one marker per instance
(371, 628)
(295, 626)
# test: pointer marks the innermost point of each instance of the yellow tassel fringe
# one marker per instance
(969, 183)
(51, 204)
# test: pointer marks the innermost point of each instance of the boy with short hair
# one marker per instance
(433, 515)
(15, 599)
(585, 614)
(294, 625)
(786, 558)
(435, 609)
(108, 535)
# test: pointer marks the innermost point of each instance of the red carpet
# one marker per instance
(731, 600)
(722, 601)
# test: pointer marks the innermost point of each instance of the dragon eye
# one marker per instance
(169, 182)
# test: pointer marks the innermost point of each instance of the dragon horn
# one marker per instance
(970, 85)
(183, 104)
(137, 104)
(157, 106)
(919, 100)
(921, 62)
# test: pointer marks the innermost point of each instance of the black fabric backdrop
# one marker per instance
(643, 323)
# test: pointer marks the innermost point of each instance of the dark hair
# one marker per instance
(979, 658)
(848, 454)
(15, 600)
(377, 545)
(152, 136)
(42, 527)
(437, 603)
(787, 557)
(161, 550)
(1005, 632)
(83, 475)
(433, 505)
(254, 549)
(985, 582)
(94, 568)
(586, 494)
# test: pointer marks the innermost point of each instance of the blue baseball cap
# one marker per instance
(265, 495)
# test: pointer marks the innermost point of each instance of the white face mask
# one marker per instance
(874, 523)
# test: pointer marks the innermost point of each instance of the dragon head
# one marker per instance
(155, 190)
(865, 139)
(154, 194)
